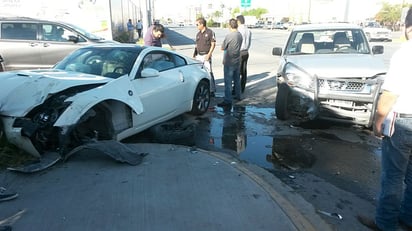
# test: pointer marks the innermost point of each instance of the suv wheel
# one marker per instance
(281, 104)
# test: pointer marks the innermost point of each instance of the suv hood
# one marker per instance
(22, 90)
(345, 65)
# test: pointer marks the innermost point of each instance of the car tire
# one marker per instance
(281, 103)
(201, 98)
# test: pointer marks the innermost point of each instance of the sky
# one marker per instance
(358, 9)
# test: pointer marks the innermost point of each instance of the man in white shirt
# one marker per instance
(244, 50)
(394, 109)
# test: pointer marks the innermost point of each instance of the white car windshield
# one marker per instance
(111, 62)
(327, 42)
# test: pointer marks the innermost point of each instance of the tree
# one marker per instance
(390, 15)
(258, 12)
(216, 15)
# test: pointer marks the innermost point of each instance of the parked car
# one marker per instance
(99, 92)
(329, 71)
(375, 32)
(280, 26)
(259, 24)
(28, 43)
(268, 25)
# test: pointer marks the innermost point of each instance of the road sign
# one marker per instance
(245, 3)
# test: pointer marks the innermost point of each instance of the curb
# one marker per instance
(300, 212)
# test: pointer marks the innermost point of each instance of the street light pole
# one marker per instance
(223, 12)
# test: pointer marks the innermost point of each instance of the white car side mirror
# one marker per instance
(149, 72)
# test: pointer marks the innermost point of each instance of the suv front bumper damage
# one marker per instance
(348, 100)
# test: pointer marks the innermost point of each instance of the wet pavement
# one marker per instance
(340, 153)
(174, 188)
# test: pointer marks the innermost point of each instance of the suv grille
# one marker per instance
(352, 85)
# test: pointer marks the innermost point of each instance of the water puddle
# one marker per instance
(244, 131)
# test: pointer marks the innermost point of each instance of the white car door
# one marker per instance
(163, 94)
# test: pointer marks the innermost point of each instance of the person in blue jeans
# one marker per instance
(393, 122)
(231, 63)
(130, 30)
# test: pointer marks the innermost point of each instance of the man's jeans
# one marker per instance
(231, 74)
(395, 200)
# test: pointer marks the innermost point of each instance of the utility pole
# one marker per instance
(346, 15)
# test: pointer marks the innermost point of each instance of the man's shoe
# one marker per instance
(224, 104)
(370, 223)
(8, 196)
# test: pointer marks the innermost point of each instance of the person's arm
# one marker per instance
(195, 52)
(385, 103)
(248, 39)
(212, 48)
(148, 38)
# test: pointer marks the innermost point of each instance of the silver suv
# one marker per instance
(28, 43)
(329, 71)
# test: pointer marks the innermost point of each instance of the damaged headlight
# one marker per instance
(297, 77)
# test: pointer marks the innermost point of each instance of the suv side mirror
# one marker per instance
(73, 38)
(377, 49)
(277, 51)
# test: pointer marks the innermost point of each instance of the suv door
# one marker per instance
(57, 42)
(20, 48)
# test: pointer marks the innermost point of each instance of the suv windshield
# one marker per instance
(327, 41)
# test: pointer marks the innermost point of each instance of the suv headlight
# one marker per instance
(297, 77)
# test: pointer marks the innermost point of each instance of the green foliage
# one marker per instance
(199, 15)
(217, 14)
(212, 23)
(389, 14)
(122, 37)
(258, 12)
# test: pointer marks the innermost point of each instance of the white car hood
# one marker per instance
(339, 65)
(20, 91)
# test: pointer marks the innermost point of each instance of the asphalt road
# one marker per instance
(333, 166)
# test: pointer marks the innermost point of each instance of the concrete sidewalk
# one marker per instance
(175, 188)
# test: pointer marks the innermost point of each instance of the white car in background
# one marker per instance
(375, 32)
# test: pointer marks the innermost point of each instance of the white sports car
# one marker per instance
(99, 92)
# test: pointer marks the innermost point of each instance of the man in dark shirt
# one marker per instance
(231, 63)
(154, 35)
(205, 44)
